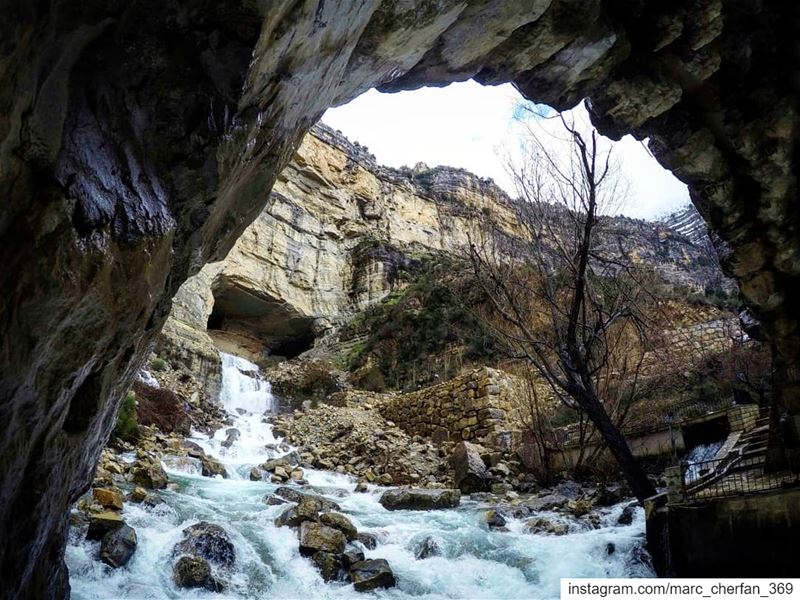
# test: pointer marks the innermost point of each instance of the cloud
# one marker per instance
(471, 126)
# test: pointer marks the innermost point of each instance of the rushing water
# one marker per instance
(697, 456)
(475, 562)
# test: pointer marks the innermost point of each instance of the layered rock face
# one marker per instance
(335, 233)
(139, 139)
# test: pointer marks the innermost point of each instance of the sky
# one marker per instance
(473, 126)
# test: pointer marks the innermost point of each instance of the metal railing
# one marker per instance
(731, 476)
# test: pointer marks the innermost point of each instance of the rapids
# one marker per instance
(474, 563)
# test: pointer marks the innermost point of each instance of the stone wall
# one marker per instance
(479, 406)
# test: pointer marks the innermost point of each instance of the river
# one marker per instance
(474, 563)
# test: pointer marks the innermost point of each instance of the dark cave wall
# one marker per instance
(139, 138)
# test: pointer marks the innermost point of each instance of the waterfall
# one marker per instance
(243, 387)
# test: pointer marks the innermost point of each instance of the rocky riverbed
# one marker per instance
(310, 505)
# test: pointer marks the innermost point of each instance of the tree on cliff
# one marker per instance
(564, 305)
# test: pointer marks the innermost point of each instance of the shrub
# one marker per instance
(127, 427)
(158, 364)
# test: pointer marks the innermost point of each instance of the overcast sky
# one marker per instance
(471, 126)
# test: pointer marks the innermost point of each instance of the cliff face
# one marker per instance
(334, 233)
(139, 139)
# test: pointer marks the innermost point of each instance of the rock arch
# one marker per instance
(138, 139)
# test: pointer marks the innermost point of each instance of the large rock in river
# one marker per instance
(208, 541)
(118, 546)
(372, 574)
(470, 473)
(315, 537)
(419, 499)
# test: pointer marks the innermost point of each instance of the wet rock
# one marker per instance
(150, 474)
(579, 507)
(138, 495)
(626, 516)
(288, 518)
(256, 474)
(569, 489)
(369, 540)
(108, 497)
(494, 519)
(470, 474)
(362, 487)
(610, 548)
(233, 436)
(209, 541)
(542, 525)
(372, 574)
(195, 572)
(351, 557)
(406, 498)
(273, 500)
(212, 467)
(118, 546)
(328, 564)
(340, 522)
(102, 523)
(292, 494)
(428, 547)
(315, 537)
(548, 502)
(608, 495)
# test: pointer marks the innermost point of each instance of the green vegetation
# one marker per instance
(424, 331)
(159, 364)
(127, 427)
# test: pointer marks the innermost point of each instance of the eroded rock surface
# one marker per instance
(139, 139)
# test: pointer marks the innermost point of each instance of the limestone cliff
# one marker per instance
(335, 232)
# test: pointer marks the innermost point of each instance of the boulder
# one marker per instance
(351, 557)
(626, 516)
(195, 572)
(608, 495)
(407, 498)
(101, 523)
(209, 541)
(470, 474)
(150, 475)
(542, 525)
(138, 495)
(340, 522)
(292, 494)
(568, 489)
(494, 519)
(256, 474)
(273, 500)
(212, 467)
(579, 507)
(315, 537)
(372, 574)
(329, 564)
(428, 547)
(369, 540)
(233, 436)
(547, 502)
(108, 497)
(118, 546)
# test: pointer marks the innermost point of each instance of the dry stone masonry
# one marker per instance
(479, 406)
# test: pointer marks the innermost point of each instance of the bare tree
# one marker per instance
(569, 307)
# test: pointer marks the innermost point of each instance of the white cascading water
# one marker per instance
(698, 455)
(474, 562)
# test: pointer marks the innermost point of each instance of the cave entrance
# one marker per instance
(256, 324)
